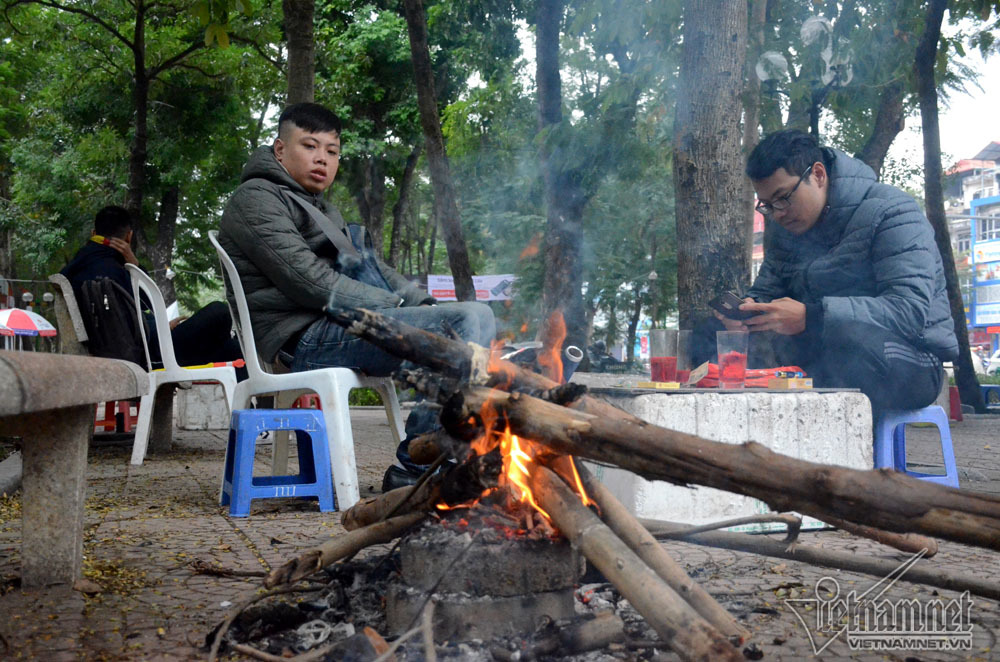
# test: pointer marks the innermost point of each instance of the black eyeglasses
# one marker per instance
(785, 201)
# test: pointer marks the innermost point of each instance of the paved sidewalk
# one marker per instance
(146, 524)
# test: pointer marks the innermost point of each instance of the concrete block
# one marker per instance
(831, 428)
(10, 473)
(201, 407)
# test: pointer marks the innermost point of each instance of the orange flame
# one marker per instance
(550, 355)
(516, 462)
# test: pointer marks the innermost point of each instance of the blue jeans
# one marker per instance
(326, 344)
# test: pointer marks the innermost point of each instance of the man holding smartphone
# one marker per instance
(852, 285)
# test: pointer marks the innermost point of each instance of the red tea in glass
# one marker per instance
(663, 368)
(732, 370)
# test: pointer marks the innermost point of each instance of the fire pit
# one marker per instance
(486, 578)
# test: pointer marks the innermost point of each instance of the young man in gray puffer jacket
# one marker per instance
(282, 237)
(852, 283)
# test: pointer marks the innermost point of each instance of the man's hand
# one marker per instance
(733, 325)
(785, 316)
(175, 321)
(124, 248)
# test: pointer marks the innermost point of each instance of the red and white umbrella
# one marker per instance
(24, 323)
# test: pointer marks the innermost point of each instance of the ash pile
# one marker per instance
(467, 585)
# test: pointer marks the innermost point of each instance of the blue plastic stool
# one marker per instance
(314, 480)
(890, 442)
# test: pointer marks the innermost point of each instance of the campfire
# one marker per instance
(504, 476)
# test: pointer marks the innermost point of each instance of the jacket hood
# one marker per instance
(262, 164)
(850, 180)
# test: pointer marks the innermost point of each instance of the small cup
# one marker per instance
(663, 355)
(732, 349)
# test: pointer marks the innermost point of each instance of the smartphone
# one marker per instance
(728, 305)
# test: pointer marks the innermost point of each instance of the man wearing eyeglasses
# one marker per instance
(852, 284)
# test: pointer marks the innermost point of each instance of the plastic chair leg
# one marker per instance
(340, 437)
(144, 423)
(279, 447)
(392, 411)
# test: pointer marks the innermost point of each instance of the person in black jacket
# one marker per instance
(852, 284)
(205, 337)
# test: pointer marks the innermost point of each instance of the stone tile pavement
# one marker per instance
(146, 524)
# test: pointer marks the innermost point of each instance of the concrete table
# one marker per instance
(48, 400)
(832, 426)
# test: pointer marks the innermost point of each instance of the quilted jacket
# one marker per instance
(286, 263)
(871, 259)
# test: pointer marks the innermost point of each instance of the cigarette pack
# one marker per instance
(659, 385)
(790, 382)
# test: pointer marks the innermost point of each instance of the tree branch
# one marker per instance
(90, 16)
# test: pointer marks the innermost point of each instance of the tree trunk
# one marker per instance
(140, 110)
(445, 206)
(708, 173)
(965, 375)
(564, 201)
(301, 57)
(404, 185)
(371, 199)
(888, 123)
(8, 268)
(162, 251)
(751, 109)
(633, 324)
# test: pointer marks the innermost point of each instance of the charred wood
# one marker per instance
(881, 499)
(673, 619)
(458, 484)
(314, 560)
(461, 361)
(579, 636)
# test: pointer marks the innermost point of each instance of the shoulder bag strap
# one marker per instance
(340, 240)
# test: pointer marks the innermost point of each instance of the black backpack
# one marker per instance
(113, 330)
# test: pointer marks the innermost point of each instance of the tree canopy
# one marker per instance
(155, 106)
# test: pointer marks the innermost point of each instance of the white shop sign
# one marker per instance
(488, 288)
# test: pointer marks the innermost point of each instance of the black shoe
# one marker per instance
(396, 477)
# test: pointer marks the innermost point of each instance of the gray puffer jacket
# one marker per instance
(871, 259)
(285, 261)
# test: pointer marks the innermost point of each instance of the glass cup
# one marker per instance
(683, 355)
(663, 355)
(732, 349)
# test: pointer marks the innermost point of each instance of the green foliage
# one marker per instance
(364, 397)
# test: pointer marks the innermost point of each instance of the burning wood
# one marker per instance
(881, 499)
(677, 623)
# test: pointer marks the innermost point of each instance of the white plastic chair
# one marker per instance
(171, 373)
(332, 385)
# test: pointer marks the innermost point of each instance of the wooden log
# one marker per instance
(455, 359)
(904, 542)
(674, 620)
(426, 448)
(458, 484)
(829, 558)
(882, 499)
(400, 501)
(635, 535)
(316, 559)
(579, 636)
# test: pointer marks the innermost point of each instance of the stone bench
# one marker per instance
(821, 425)
(48, 401)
